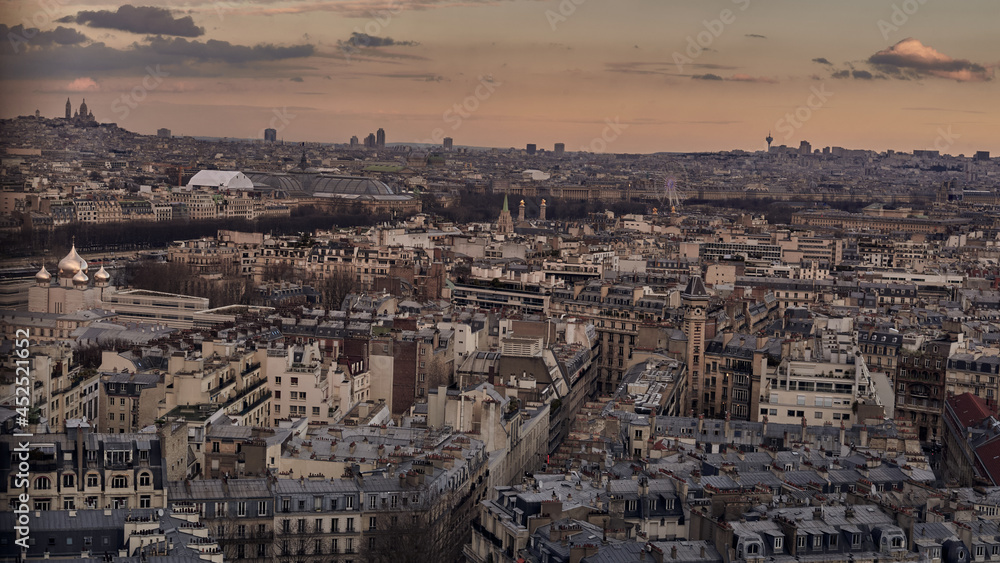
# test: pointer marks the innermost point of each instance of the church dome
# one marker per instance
(43, 275)
(72, 263)
(80, 279)
(102, 275)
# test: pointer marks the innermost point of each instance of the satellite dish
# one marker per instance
(159, 512)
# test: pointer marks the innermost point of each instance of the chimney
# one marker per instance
(864, 436)
(701, 423)
(804, 426)
(673, 551)
(702, 550)
(843, 434)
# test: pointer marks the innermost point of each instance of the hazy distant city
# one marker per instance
(558, 281)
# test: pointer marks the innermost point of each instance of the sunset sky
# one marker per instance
(617, 76)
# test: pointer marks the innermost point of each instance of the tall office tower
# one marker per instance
(531, 148)
(354, 141)
(270, 135)
(380, 138)
(982, 156)
(805, 149)
(370, 141)
(449, 143)
(560, 149)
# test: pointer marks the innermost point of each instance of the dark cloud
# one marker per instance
(756, 36)
(18, 39)
(297, 79)
(139, 19)
(735, 78)
(178, 56)
(842, 74)
(862, 74)
(709, 76)
(912, 59)
(822, 61)
(362, 40)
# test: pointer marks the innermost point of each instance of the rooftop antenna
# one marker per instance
(769, 139)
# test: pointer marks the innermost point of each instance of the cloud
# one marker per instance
(138, 19)
(736, 78)
(862, 74)
(16, 40)
(912, 59)
(756, 36)
(297, 79)
(660, 68)
(83, 84)
(365, 40)
(841, 74)
(178, 56)
(822, 61)
(368, 9)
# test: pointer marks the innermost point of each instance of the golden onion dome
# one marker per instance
(72, 263)
(102, 275)
(43, 275)
(80, 279)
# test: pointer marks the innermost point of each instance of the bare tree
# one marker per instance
(335, 286)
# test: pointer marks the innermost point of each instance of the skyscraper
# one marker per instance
(69, 109)
(449, 143)
(560, 149)
(270, 135)
(370, 141)
(531, 148)
(380, 138)
(354, 141)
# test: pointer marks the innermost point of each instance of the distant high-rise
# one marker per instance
(69, 109)
(805, 149)
(982, 155)
(380, 138)
(163, 132)
(270, 135)
(354, 141)
(449, 143)
(559, 149)
(769, 140)
(370, 141)
(531, 148)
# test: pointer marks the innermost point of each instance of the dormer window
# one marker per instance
(779, 543)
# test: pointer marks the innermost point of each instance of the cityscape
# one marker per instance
(534, 281)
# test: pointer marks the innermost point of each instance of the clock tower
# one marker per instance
(695, 300)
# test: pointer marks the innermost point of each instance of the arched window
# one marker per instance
(145, 479)
(119, 482)
(42, 483)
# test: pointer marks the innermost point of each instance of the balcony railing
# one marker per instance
(255, 404)
(250, 368)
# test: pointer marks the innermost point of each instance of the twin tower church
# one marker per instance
(505, 223)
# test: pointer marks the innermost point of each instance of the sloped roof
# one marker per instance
(969, 409)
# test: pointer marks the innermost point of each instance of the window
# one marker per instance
(318, 526)
(145, 480)
(145, 501)
(819, 414)
(262, 508)
(68, 480)
(119, 482)
(833, 540)
(277, 381)
(315, 411)
(980, 550)
(241, 509)
(371, 522)
(295, 381)
(43, 483)
(855, 539)
(350, 503)
(817, 542)
(69, 504)
(800, 542)
(350, 525)
(335, 527)
(779, 543)
(372, 500)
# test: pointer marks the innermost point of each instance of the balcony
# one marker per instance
(250, 368)
(248, 390)
(247, 409)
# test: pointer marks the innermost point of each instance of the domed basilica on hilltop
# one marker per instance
(73, 290)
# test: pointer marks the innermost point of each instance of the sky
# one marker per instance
(600, 75)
